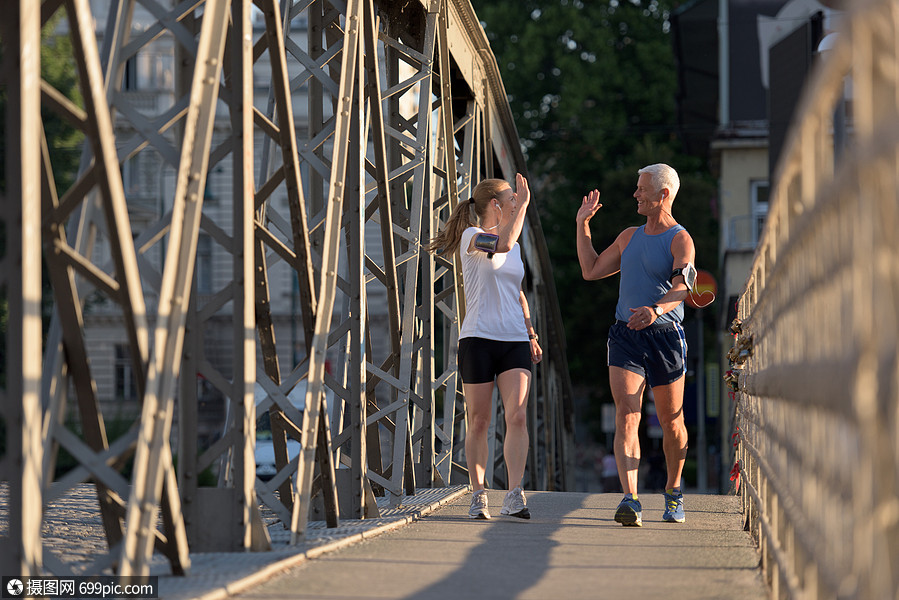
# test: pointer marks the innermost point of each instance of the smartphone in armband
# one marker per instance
(689, 273)
(486, 242)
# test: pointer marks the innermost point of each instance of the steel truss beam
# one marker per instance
(20, 288)
(404, 113)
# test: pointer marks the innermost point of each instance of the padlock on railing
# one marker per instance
(741, 351)
(732, 380)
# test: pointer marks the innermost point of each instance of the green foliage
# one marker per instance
(63, 140)
(591, 85)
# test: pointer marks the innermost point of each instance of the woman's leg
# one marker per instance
(513, 387)
(478, 402)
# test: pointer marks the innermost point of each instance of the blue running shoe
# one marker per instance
(629, 513)
(674, 507)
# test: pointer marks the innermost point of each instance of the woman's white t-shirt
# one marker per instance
(492, 287)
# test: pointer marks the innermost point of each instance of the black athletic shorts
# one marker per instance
(481, 360)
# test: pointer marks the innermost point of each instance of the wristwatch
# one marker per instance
(658, 310)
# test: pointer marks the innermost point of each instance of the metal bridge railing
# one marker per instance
(817, 353)
(402, 111)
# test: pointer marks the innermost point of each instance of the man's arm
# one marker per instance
(684, 252)
(593, 265)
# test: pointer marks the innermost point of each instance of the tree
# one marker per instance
(591, 85)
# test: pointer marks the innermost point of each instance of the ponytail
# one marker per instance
(448, 239)
(466, 214)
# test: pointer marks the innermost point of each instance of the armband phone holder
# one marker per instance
(486, 242)
(689, 273)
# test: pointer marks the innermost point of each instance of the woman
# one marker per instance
(497, 340)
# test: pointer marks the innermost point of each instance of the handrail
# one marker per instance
(816, 403)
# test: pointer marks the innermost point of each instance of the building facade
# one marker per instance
(741, 67)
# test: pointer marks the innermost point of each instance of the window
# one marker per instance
(129, 80)
(156, 71)
(125, 385)
(208, 196)
(149, 72)
(204, 264)
(300, 21)
(744, 230)
(131, 175)
(759, 191)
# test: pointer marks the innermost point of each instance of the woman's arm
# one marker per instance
(510, 230)
(536, 350)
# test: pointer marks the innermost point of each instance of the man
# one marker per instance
(646, 343)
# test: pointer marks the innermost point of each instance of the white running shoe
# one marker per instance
(478, 508)
(515, 505)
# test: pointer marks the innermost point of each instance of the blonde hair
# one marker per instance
(662, 176)
(466, 214)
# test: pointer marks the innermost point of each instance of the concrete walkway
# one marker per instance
(571, 548)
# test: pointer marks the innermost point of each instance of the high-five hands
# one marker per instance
(589, 207)
(521, 189)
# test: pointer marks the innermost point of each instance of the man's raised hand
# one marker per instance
(589, 207)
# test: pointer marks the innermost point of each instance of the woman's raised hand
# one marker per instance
(521, 189)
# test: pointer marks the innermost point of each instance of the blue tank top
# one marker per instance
(646, 264)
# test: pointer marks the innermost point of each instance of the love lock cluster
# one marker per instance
(732, 380)
(741, 351)
(737, 355)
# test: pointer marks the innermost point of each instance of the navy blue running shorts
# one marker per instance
(658, 352)
(481, 360)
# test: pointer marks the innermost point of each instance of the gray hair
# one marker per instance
(662, 176)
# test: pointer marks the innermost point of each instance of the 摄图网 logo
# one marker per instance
(14, 587)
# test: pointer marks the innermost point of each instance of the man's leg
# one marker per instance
(669, 401)
(478, 402)
(627, 391)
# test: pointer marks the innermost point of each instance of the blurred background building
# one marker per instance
(742, 65)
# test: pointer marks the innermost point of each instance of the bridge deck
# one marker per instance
(571, 548)
(428, 548)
